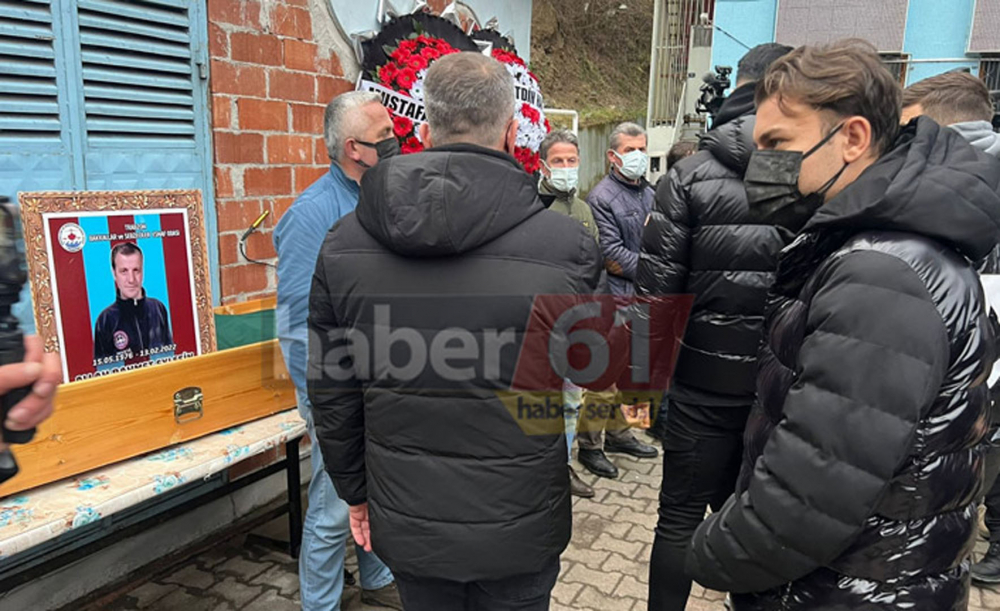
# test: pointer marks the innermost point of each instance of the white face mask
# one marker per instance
(563, 179)
(634, 164)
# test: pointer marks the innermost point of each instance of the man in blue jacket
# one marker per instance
(620, 202)
(358, 131)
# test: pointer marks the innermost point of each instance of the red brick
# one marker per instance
(238, 215)
(267, 181)
(228, 249)
(328, 87)
(305, 176)
(260, 245)
(238, 148)
(255, 48)
(245, 278)
(331, 65)
(300, 55)
(218, 41)
(241, 80)
(223, 183)
(291, 21)
(284, 85)
(244, 13)
(307, 119)
(322, 155)
(289, 149)
(279, 206)
(262, 115)
(222, 112)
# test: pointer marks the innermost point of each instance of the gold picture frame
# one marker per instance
(40, 211)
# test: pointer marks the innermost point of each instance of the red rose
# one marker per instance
(387, 74)
(410, 46)
(402, 126)
(406, 78)
(400, 55)
(548, 126)
(416, 63)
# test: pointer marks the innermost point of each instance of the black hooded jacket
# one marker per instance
(700, 241)
(864, 452)
(451, 238)
(131, 325)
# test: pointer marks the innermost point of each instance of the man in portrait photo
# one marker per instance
(134, 322)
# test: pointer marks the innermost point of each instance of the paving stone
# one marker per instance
(586, 529)
(617, 563)
(616, 498)
(647, 518)
(629, 549)
(640, 534)
(564, 593)
(148, 593)
(651, 493)
(592, 507)
(236, 592)
(191, 577)
(591, 597)
(605, 582)
(272, 601)
(990, 598)
(280, 578)
(700, 604)
(179, 600)
(591, 558)
(713, 595)
(620, 485)
(247, 569)
(632, 587)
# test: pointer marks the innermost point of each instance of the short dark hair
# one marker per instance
(680, 150)
(125, 248)
(952, 97)
(755, 63)
(846, 78)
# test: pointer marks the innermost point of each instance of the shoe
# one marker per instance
(387, 597)
(597, 463)
(578, 487)
(632, 447)
(987, 570)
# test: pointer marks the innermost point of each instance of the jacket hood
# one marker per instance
(979, 134)
(732, 143)
(933, 184)
(446, 200)
(740, 102)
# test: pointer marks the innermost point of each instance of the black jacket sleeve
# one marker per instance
(104, 343)
(664, 260)
(337, 400)
(872, 361)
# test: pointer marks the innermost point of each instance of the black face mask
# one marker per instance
(772, 184)
(384, 148)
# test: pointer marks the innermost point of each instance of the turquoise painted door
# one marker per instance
(105, 95)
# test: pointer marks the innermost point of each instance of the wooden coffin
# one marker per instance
(106, 420)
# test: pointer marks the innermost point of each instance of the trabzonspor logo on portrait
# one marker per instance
(121, 340)
(72, 237)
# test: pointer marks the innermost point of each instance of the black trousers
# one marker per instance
(992, 500)
(530, 592)
(702, 452)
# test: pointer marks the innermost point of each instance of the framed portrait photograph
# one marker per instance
(119, 280)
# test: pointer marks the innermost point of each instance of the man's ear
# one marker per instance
(858, 132)
(425, 136)
(351, 150)
(510, 138)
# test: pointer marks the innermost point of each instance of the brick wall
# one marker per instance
(270, 82)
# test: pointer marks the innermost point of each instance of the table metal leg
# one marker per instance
(294, 497)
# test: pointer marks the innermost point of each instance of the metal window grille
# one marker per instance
(898, 64)
(673, 20)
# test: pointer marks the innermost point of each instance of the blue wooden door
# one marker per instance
(105, 95)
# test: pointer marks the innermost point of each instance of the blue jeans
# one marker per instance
(325, 534)
(572, 400)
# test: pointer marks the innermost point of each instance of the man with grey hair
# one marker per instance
(620, 203)
(461, 489)
(358, 131)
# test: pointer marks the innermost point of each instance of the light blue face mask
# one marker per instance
(634, 164)
(563, 179)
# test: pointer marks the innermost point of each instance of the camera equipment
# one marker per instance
(714, 89)
(12, 279)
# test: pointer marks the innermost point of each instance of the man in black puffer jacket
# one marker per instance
(700, 240)
(443, 258)
(865, 449)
